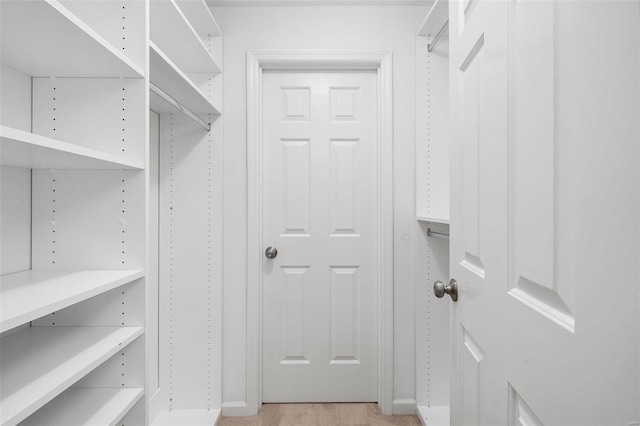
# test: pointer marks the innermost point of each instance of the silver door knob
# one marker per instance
(271, 252)
(439, 289)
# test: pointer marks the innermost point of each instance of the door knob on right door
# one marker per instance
(440, 289)
(271, 252)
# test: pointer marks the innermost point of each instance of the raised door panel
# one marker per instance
(471, 357)
(345, 312)
(296, 188)
(345, 104)
(295, 103)
(344, 197)
(472, 71)
(294, 282)
(534, 163)
(520, 414)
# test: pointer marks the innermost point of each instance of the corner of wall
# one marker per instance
(234, 408)
(155, 405)
(404, 406)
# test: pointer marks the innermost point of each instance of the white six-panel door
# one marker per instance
(319, 204)
(544, 217)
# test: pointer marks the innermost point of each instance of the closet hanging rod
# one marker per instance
(438, 36)
(431, 233)
(167, 98)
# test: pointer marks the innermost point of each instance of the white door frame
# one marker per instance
(381, 62)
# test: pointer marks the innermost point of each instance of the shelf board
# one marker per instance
(434, 415)
(23, 149)
(31, 294)
(86, 406)
(433, 219)
(200, 17)
(162, 103)
(168, 77)
(39, 363)
(172, 32)
(436, 18)
(52, 41)
(187, 417)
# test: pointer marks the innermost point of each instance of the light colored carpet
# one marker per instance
(320, 415)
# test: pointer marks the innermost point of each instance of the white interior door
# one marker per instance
(544, 217)
(319, 211)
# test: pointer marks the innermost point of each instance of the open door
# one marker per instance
(544, 212)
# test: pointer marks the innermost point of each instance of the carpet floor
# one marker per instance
(320, 415)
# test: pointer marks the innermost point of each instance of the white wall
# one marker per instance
(373, 28)
(15, 219)
(15, 183)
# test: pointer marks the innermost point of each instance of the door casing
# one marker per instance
(381, 62)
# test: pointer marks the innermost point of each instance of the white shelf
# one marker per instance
(200, 17)
(433, 219)
(31, 294)
(168, 77)
(162, 103)
(436, 18)
(39, 363)
(172, 32)
(433, 416)
(42, 38)
(86, 406)
(187, 417)
(23, 149)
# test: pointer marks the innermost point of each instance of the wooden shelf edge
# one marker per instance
(32, 313)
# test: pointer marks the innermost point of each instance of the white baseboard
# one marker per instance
(234, 408)
(404, 406)
(433, 416)
(155, 405)
(187, 417)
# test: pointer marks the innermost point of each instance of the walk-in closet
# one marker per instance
(319, 212)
